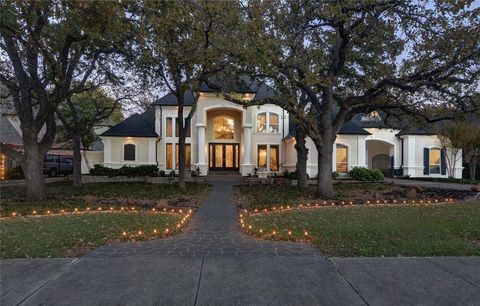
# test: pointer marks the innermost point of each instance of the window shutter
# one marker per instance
(392, 166)
(443, 162)
(426, 161)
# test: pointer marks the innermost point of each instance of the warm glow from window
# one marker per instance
(262, 157)
(188, 155)
(169, 129)
(274, 158)
(342, 159)
(268, 122)
(262, 122)
(435, 161)
(169, 156)
(223, 127)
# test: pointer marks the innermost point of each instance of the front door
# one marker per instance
(223, 156)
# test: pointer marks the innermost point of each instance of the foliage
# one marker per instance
(15, 173)
(335, 175)
(74, 235)
(443, 230)
(365, 174)
(129, 171)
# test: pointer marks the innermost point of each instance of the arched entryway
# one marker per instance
(224, 127)
(380, 155)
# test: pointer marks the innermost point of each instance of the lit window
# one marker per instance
(188, 155)
(223, 127)
(262, 122)
(262, 157)
(267, 122)
(129, 152)
(342, 159)
(274, 158)
(435, 161)
(273, 123)
(268, 157)
(169, 156)
(169, 132)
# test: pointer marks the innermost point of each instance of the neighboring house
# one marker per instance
(227, 136)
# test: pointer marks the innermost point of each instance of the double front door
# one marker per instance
(223, 156)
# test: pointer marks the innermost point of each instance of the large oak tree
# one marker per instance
(354, 57)
(50, 50)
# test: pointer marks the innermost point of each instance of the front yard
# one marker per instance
(269, 196)
(72, 221)
(440, 230)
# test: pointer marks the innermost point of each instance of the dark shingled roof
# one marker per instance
(138, 125)
(414, 130)
(245, 85)
(348, 128)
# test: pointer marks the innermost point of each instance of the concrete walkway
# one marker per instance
(214, 263)
(426, 184)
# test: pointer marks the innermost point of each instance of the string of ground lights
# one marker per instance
(124, 234)
(326, 204)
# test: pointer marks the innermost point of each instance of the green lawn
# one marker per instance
(265, 196)
(446, 230)
(75, 235)
(138, 190)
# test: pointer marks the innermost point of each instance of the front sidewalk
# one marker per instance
(224, 280)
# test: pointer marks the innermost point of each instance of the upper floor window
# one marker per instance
(223, 127)
(267, 122)
(170, 127)
(129, 152)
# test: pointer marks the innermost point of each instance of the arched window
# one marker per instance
(223, 127)
(129, 152)
(342, 159)
(268, 122)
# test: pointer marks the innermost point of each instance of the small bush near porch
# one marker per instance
(442, 230)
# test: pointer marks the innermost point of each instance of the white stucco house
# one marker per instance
(228, 137)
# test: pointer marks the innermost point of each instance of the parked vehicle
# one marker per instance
(54, 165)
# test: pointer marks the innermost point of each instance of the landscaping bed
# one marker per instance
(401, 230)
(269, 196)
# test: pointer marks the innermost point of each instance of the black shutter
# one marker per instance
(426, 161)
(392, 166)
(443, 162)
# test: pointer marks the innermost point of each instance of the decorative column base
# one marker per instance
(203, 169)
(245, 169)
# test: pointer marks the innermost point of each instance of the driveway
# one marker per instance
(214, 263)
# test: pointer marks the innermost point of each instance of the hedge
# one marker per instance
(365, 174)
(143, 170)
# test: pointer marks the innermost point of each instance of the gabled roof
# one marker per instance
(348, 128)
(244, 85)
(138, 125)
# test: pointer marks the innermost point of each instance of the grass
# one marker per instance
(446, 230)
(138, 190)
(74, 235)
(265, 196)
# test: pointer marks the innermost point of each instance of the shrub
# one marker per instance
(365, 174)
(15, 173)
(143, 170)
(335, 175)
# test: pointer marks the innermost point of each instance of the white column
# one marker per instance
(107, 150)
(151, 151)
(158, 120)
(201, 143)
(409, 153)
(362, 151)
(247, 144)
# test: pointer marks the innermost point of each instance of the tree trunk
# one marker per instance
(33, 171)
(77, 160)
(472, 165)
(324, 177)
(302, 156)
